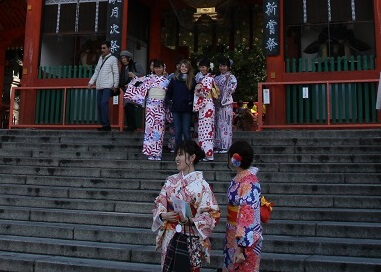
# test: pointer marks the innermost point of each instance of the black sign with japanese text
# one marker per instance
(271, 35)
(114, 25)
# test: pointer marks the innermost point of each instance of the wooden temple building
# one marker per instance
(322, 56)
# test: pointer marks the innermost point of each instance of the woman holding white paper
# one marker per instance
(188, 185)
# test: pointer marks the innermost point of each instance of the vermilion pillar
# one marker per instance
(2, 68)
(31, 58)
(155, 30)
(275, 70)
(377, 32)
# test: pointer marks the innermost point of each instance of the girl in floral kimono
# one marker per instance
(204, 105)
(227, 83)
(188, 185)
(155, 87)
(243, 241)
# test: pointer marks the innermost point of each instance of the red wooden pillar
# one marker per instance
(31, 58)
(276, 111)
(377, 31)
(155, 31)
(125, 24)
(3, 48)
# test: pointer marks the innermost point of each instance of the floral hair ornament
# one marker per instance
(231, 63)
(236, 160)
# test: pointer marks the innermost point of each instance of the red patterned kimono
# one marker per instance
(243, 227)
(204, 105)
(193, 189)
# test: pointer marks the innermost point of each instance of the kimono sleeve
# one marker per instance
(161, 202)
(136, 93)
(232, 84)
(248, 215)
(208, 212)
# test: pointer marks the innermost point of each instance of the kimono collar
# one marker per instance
(200, 76)
(191, 177)
(251, 171)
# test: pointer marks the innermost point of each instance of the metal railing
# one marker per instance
(69, 107)
(320, 104)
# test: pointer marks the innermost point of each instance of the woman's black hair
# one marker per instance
(243, 149)
(191, 147)
(225, 61)
(204, 62)
(158, 63)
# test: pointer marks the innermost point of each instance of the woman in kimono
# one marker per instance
(227, 83)
(204, 105)
(243, 241)
(188, 185)
(154, 86)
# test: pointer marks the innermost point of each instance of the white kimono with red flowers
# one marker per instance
(193, 189)
(204, 105)
(227, 83)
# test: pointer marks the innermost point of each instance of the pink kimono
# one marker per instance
(193, 189)
(227, 83)
(204, 105)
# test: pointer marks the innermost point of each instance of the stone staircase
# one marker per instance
(82, 200)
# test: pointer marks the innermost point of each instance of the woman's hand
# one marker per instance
(239, 257)
(183, 219)
(170, 216)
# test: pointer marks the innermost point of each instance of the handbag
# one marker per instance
(266, 209)
(184, 252)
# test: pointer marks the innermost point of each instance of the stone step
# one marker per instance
(144, 212)
(260, 158)
(144, 221)
(136, 149)
(313, 158)
(77, 197)
(15, 261)
(266, 133)
(351, 184)
(274, 262)
(137, 165)
(62, 187)
(345, 173)
(270, 262)
(255, 139)
(137, 238)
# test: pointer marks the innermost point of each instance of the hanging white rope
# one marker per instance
(305, 11)
(329, 10)
(96, 17)
(58, 18)
(353, 6)
(76, 17)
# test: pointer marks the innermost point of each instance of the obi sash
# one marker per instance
(156, 93)
(232, 214)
